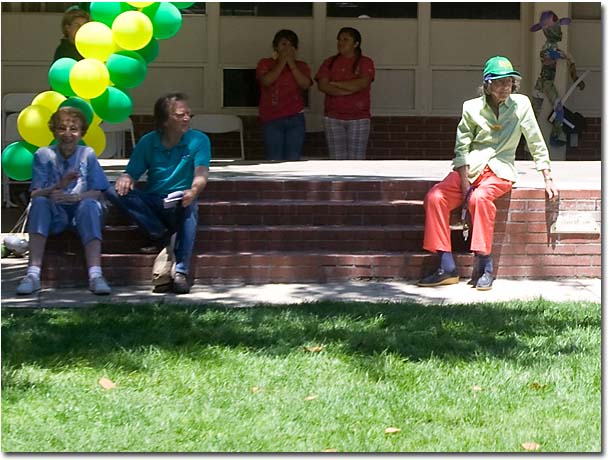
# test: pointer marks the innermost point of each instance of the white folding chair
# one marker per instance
(15, 102)
(12, 104)
(10, 135)
(115, 138)
(220, 123)
(10, 132)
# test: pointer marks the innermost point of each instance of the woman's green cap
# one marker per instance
(499, 67)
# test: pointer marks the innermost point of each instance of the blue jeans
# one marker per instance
(284, 138)
(147, 210)
(49, 218)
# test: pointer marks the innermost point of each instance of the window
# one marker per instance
(37, 7)
(476, 10)
(266, 9)
(371, 9)
(60, 7)
(240, 88)
(586, 10)
(195, 8)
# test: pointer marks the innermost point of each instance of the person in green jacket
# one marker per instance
(487, 138)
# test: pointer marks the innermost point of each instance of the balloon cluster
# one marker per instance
(117, 45)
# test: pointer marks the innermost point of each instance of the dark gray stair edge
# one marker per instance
(299, 253)
(297, 227)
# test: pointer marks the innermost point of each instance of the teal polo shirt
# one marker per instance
(169, 170)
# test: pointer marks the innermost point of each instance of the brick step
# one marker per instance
(255, 267)
(127, 239)
(310, 238)
(382, 189)
(300, 212)
(517, 239)
(62, 270)
(321, 190)
(233, 248)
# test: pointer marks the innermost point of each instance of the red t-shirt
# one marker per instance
(283, 98)
(354, 106)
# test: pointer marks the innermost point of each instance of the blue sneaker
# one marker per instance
(28, 285)
(99, 286)
(485, 281)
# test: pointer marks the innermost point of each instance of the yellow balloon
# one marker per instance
(96, 120)
(117, 48)
(96, 139)
(140, 4)
(50, 100)
(89, 78)
(33, 125)
(132, 30)
(94, 40)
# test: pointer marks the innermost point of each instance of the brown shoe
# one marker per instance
(439, 278)
(181, 284)
(163, 288)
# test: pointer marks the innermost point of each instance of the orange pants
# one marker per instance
(447, 195)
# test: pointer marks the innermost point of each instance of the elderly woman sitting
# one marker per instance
(67, 182)
(483, 170)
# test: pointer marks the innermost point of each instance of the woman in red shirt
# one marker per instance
(346, 79)
(283, 79)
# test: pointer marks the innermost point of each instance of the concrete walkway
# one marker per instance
(239, 295)
(568, 175)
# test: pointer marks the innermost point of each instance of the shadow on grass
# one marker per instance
(96, 335)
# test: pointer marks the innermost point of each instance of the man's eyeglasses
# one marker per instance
(181, 116)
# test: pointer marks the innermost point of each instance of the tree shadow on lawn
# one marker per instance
(96, 335)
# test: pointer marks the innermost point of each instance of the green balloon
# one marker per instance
(182, 5)
(59, 76)
(127, 69)
(17, 160)
(113, 105)
(166, 19)
(150, 52)
(81, 104)
(106, 12)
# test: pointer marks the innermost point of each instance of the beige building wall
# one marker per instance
(424, 67)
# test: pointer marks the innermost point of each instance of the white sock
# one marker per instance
(95, 271)
(34, 271)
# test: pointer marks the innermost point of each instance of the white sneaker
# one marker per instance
(28, 285)
(99, 286)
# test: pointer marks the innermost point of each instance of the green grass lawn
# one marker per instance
(303, 378)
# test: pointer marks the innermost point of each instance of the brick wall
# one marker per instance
(589, 143)
(524, 246)
(391, 138)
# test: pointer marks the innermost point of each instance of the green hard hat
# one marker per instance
(499, 67)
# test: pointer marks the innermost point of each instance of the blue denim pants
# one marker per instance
(284, 138)
(147, 210)
(47, 217)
